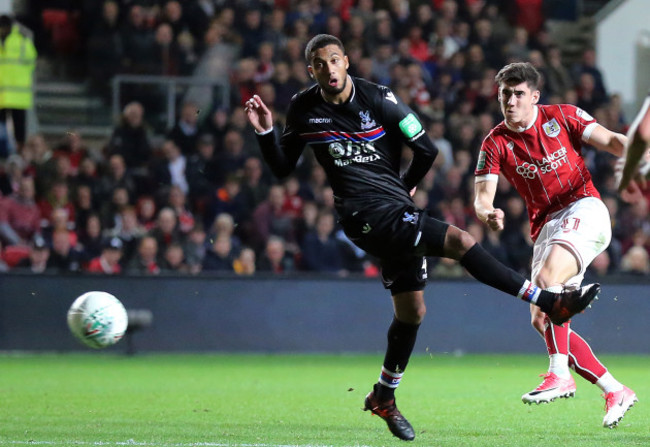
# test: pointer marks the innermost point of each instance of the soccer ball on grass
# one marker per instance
(97, 319)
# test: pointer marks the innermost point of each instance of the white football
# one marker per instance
(97, 319)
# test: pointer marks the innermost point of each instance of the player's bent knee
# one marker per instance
(409, 308)
(458, 242)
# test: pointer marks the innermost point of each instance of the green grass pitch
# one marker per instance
(106, 399)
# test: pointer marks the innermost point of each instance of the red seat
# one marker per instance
(63, 29)
(13, 254)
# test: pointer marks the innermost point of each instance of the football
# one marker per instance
(97, 319)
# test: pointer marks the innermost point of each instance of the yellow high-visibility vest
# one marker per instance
(17, 62)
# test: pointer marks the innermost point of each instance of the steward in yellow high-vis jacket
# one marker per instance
(17, 63)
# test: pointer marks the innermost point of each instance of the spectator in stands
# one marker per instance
(220, 255)
(185, 131)
(11, 171)
(202, 171)
(74, 148)
(138, 40)
(198, 14)
(216, 126)
(20, 217)
(130, 231)
(166, 230)
(320, 249)
(483, 35)
(177, 201)
(188, 56)
(57, 198)
(517, 49)
(174, 15)
(146, 210)
(83, 205)
(589, 97)
(172, 169)
(636, 261)
(383, 58)
(293, 202)
(269, 218)
(130, 138)
(274, 31)
(110, 211)
(17, 63)
(254, 187)
(244, 264)
(64, 257)
(587, 64)
(234, 155)
(227, 199)
(224, 224)
(165, 59)
(251, 31)
(599, 267)
(275, 258)
(266, 65)
(174, 260)
(558, 79)
(37, 261)
(145, 262)
(238, 121)
(105, 50)
(38, 152)
(445, 159)
(90, 238)
(243, 82)
(88, 177)
(195, 249)
(108, 262)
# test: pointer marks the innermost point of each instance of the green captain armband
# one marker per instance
(410, 126)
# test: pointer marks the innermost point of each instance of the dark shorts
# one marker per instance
(400, 236)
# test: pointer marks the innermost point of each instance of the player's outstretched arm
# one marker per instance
(604, 139)
(258, 114)
(485, 192)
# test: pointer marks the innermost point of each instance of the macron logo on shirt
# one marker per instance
(320, 120)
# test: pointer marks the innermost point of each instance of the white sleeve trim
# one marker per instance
(265, 132)
(486, 178)
(588, 131)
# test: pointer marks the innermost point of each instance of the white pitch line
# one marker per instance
(132, 442)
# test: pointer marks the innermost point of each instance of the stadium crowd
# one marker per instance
(202, 200)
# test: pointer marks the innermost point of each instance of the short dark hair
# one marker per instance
(319, 41)
(518, 72)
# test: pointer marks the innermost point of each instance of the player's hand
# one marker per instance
(495, 219)
(412, 192)
(258, 114)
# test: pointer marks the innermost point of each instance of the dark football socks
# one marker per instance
(401, 340)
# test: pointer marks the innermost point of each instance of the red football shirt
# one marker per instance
(543, 162)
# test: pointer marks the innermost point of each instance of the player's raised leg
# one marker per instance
(460, 245)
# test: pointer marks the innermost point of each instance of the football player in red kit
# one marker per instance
(538, 150)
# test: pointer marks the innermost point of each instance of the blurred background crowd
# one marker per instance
(197, 198)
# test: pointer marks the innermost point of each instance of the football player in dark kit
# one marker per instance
(356, 130)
